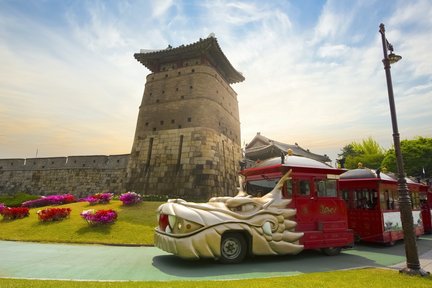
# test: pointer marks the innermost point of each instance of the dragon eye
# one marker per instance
(244, 208)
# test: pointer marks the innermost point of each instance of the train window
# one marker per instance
(415, 201)
(383, 200)
(373, 198)
(366, 199)
(304, 188)
(289, 189)
(396, 200)
(258, 188)
(326, 188)
(320, 187)
(345, 197)
(391, 199)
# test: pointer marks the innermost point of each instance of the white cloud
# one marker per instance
(160, 8)
(322, 87)
(333, 51)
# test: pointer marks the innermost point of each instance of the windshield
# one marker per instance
(258, 188)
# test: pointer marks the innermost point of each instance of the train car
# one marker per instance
(425, 195)
(290, 204)
(313, 191)
(373, 208)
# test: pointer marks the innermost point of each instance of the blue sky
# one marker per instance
(69, 84)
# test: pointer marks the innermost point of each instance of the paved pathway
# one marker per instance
(96, 262)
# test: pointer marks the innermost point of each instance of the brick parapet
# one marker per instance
(70, 162)
(78, 175)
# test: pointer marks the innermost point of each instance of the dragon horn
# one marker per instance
(276, 192)
(282, 180)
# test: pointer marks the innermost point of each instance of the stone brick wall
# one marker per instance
(191, 163)
(78, 175)
(193, 96)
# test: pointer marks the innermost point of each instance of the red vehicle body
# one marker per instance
(373, 208)
(313, 188)
(425, 194)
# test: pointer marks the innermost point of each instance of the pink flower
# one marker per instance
(94, 217)
(130, 198)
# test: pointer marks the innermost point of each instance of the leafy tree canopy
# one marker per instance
(417, 155)
(368, 152)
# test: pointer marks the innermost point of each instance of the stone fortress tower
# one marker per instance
(187, 138)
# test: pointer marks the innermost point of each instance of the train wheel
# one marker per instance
(233, 248)
(357, 238)
(331, 251)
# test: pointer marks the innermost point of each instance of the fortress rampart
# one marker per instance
(78, 175)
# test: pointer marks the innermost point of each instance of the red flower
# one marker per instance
(14, 212)
(53, 214)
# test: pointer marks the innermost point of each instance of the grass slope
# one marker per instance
(341, 279)
(16, 200)
(134, 226)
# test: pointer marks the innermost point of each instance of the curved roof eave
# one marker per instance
(208, 46)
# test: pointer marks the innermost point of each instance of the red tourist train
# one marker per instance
(425, 196)
(313, 188)
(373, 209)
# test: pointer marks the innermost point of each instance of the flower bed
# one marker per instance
(53, 214)
(130, 198)
(49, 200)
(99, 198)
(10, 213)
(94, 217)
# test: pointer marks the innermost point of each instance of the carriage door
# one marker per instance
(305, 202)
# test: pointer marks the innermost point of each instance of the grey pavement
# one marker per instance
(425, 262)
(98, 262)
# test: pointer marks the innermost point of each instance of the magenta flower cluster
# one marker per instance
(94, 217)
(99, 198)
(2, 206)
(130, 198)
(49, 200)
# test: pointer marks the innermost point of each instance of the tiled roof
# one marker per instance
(262, 148)
(208, 47)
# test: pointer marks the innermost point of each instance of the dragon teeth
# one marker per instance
(267, 228)
(172, 220)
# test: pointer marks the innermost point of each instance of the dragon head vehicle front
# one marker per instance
(229, 228)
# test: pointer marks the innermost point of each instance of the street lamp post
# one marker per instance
(412, 259)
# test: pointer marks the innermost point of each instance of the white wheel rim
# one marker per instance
(231, 248)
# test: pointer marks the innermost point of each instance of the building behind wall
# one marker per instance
(187, 138)
(262, 148)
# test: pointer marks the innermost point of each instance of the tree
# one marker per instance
(368, 152)
(417, 155)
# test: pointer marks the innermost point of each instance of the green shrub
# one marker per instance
(17, 199)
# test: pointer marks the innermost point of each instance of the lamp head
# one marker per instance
(393, 58)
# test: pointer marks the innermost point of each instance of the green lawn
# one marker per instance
(16, 200)
(134, 226)
(341, 279)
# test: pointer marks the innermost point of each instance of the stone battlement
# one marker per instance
(70, 162)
